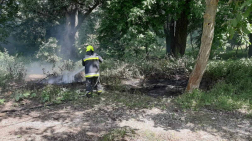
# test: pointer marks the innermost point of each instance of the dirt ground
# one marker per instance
(74, 122)
(94, 118)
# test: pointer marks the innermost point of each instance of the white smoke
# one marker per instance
(37, 71)
(66, 78)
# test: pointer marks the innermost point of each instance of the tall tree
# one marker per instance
(8, 11)
(206, 43)
(66, 15)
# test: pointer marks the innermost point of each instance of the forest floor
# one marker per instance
(103, 118)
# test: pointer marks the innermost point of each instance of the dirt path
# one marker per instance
(72, 121)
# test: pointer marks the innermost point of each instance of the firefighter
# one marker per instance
(91, 63)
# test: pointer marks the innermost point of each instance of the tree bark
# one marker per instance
(191, 39)
(250, 46)
(74, 20)
(181, 30)
(205, 48)
(167, 35)
(70, 35)
(174, 50)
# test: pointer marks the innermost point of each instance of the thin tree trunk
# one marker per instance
(206, 44)
(250, 46)
(191, 41)
(236, 52)
(246, 49)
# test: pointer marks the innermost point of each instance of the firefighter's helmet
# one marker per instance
(89, 48)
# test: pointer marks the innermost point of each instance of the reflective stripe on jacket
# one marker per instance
(91, 63)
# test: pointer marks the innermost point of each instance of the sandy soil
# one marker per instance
(71, 121)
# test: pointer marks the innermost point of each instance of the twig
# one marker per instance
(23, 109)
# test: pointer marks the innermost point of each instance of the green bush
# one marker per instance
(49, 51)
(11, 69)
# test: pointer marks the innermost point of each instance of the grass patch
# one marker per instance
(232, 91)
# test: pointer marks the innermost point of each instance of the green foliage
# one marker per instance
(2, 101)
(8, 10)
(135, 28)
(57, 94)
(232, 90)
(11, 69)
(241, 23)
(20, 95)
(49, 51)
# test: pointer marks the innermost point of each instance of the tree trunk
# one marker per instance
(181, 30)
(191, 38)
(70, 35)
(206, 43)
(167, 35)
(174, 50)
(147, 50)
(250, 46)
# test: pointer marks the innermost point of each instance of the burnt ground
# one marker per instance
(102, 118)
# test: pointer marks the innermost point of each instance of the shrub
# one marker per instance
(49, 51)
(11, 69)
(164, 68)
(160, 68)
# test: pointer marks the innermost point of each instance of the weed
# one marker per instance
(118, 134)
(2, 101)
(57, 94)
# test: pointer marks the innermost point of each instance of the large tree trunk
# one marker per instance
(181, 31)
(70, 35)
(250, 46)
(174, 50)
(206, 43)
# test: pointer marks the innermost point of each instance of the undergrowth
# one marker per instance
(11, 69)
(232, 90)
(143, 68)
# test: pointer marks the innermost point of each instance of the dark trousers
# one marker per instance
(93, 84)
